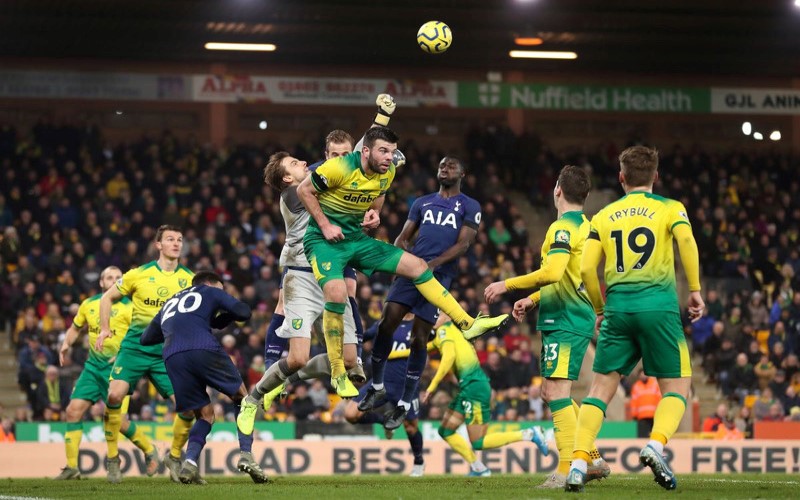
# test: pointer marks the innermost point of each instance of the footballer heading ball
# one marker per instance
(434, 37)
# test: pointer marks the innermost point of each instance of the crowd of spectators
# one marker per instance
(71, 204)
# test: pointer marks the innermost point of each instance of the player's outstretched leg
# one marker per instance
(436, 294)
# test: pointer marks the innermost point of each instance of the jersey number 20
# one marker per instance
(182, 305)
(645, 250)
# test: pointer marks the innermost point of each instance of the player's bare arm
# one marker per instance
(465, 238)
(372, 218)
(403, 239)
(308, 195)
(106, 302)
(69, 338)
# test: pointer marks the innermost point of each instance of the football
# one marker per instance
(434, 37)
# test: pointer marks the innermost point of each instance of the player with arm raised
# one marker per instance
(148, 287)
(445, 223)
(343, 196)
(472, 405)
(566, 316)
(195, 360)
(641, 318)
(303, 301)
(92, 385)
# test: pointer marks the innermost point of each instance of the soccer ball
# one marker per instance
(434, 37)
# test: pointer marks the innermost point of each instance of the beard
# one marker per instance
(373, 163)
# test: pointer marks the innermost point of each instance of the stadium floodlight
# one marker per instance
(253, 47)
(776, 134)
(747, 128)
(262, 124)
(797, 3)
(758, 136)
(542, 54)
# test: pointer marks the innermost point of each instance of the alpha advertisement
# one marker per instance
(20, 460)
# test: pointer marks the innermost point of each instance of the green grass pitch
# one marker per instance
(500, 487)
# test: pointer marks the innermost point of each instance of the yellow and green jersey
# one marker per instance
(149, 287)
(636, 235)
(466, 366)
(346, 192)
(89, 316)
(564, 305)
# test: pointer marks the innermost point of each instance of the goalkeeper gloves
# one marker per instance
(398, 158)
(386, 107)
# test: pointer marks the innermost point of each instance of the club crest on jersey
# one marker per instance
(354, 185)
(448, 220)
(182, 283)
(326, 266)
(458, 205)
(297, 323)
(117, 370)
(384, 182)
(562, 236)
(114, 312)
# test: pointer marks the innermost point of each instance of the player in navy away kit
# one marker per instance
(447, 222)
(195, 360)
(395, 379)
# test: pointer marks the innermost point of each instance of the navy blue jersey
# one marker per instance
(184, 322)
(314, 166)
(439, 221)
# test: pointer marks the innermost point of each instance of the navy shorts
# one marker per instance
(394, 381)
(404, 292)
(191, 372)
(349, 272)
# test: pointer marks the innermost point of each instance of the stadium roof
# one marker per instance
(706, 37)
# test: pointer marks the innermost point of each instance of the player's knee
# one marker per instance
(418, 267)
(351, 413)
(297, 360)
(115, 397)
(74, 412)
(410, 427)
(335, 291)
(445, 433)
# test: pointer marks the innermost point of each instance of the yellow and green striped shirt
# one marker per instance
(564, 304)
(346, 192)
(466, 366)
(636, 235)
(89, 316)
(149, 287)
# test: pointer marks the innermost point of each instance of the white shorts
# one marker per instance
(303, 303)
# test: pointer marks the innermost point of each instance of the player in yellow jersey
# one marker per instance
(566, 316)
(344, 196)
(641, 318)
(148, 286)
(92, 385)
(472, 404)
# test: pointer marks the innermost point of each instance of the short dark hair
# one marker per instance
(382, 133)
(639, 165)
(575, 184)
(455, 159)
(338, 136)
(274, 171)
(166, 227)
(206, 278)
